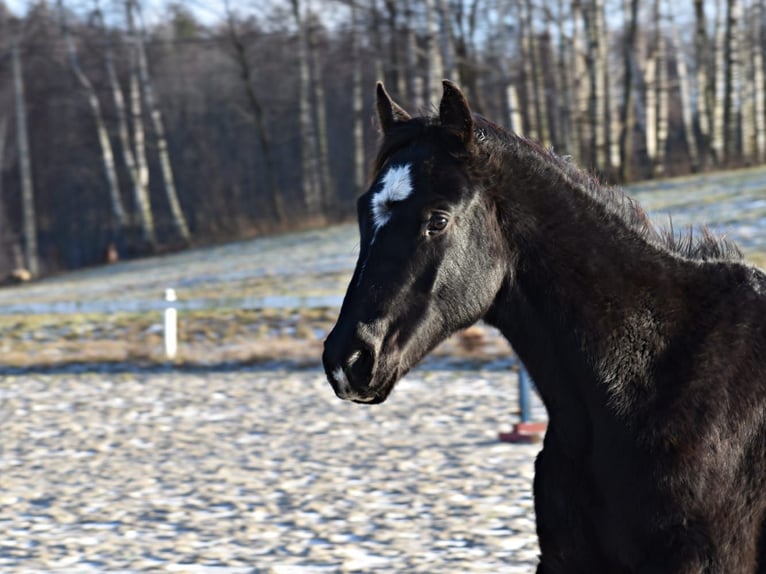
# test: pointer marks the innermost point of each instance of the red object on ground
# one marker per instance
(524, 433)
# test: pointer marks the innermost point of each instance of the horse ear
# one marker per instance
(389, 112)
(454, 111)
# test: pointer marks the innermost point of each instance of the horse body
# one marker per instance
(648, 351)
(651, 364)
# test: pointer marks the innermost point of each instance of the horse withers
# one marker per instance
(648, 347)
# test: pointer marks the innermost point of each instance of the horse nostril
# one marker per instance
(359, 368)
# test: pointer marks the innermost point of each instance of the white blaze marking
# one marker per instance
(397, 186)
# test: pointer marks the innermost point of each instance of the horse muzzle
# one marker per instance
(352, 363)
(350, 378)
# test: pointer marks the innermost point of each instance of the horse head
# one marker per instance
(431, 250)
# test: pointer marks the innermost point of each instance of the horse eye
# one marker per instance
(437, 222)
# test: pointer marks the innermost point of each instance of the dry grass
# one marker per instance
(205, 338)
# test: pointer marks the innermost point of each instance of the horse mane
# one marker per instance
(491, 140)
(701, 244)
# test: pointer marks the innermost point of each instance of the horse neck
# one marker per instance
(586, 283)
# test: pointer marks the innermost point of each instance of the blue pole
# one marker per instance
(525, 395)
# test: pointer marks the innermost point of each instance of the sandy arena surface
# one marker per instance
(261, 471)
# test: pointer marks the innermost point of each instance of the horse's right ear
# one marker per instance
(389, 112)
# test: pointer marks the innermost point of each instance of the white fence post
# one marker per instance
(171, 325)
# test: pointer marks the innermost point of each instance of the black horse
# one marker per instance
(648, 347)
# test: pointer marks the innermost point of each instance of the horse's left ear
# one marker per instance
(454, 112)
(389, 112)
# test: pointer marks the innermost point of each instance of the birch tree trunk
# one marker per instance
(414, 80)
(107, 155)
(531, 109)
(326, 188)
(551, 82)
(3, 137)
(747, 93)
(7, 243)
(434, 64)
(759, 88)
(717, 140)
(514, 111)
(357, 103)
(25, 167)
(597, 106)
(447, 42)
(705, 83)
(581, 124)
(141, 167)
(612, 141)
(540, 106)
(650, 97)
(396, 59)
(567, 134)
(465, 15)
(627, 121)
(662, 95)
(256, 113)
(685, 91)
(166, 169)
(731, 82)
(309, 169)
(379, 53)
(141, 198)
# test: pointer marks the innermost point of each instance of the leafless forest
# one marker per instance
(128, 129)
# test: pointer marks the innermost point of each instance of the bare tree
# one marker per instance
(514, 111)
(396, 63)
(650, 106)
(309, 169)
(527, 36)
(357, 103)
(731, 82)
(567, 131)
(376, 32)
(465, 16)
(141, 170)
(719, 57)
(6, 239)
(255, 111)
(656, 94)
(414, 79)
(447, 41)
(627, 120)
(746, 92)
(326, 188)
(27, 186)
(685, 91)
(107, 155)
(758, 81)
(705, 79)
(597, 73)
(166, 169)
(434, 63)
(140, 193)
(581, 86)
